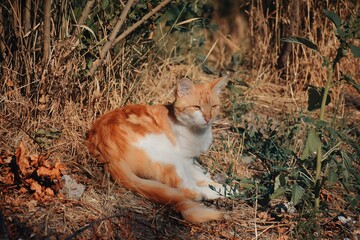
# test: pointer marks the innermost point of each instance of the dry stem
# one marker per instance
(98, 62)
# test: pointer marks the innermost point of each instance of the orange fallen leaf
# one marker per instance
(46, 163)
(49, 192)
(59, 165)
(44, 171)
(9, 83)
(282, 230)
(53, 173)
(21, 159)
(9, 178)
(23, 190)
(34, 159)
(35, 186)
(284, 237)
(263, 215)
(31, 205)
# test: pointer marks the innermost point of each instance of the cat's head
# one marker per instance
(197, 106)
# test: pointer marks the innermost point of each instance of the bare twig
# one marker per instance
(47, 16)
(255, 212)
(2, 32)
(98, 62)
(141, 21)
(84, 15)
(27, 17)
(117, 27)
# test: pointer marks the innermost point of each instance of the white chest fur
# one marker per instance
(192, 143)
(189, 144)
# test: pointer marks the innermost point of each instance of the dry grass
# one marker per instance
(72, 101)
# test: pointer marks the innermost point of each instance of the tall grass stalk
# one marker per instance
(319, 149)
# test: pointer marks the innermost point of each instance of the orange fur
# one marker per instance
(113, 137)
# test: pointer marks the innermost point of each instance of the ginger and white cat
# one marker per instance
(151, 149)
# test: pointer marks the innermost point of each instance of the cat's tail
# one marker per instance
(191, 211)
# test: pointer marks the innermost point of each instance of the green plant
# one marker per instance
(185, 24)
(345, 32)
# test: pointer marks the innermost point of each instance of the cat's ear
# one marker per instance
(219, 84)
(184, 87)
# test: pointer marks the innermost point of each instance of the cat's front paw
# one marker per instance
(208, 194)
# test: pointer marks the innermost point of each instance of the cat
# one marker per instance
(150, 149)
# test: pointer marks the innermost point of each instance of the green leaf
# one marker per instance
(333, 17)
(312, 143)
(278, 193)
(280, 181)
(246, 185)
(350, 81)
(297, 192)
(52, 135)
(54, 130)
(346, 160)
(207, 69)
(355, 50)
(40, 132)
(303, 41)
(230, 169)
(89, 63)
(333, 176)
(341, 33)
(105, 4)
(315, 95)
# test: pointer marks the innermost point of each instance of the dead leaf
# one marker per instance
(35, 186)
(59, 166)
(23, 190)
(41, 107)
(7, 160)
(282, 230)
(46, 163)
(49, 192)
(34, 159)
(21, 160)
(44, 171)
(51, 173)
(31, 205)
(9, 83)
(44, 99)
(284, 237)
(9, 178)
(263, 215)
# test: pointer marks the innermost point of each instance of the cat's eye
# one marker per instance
(214, 107)
(196, 108)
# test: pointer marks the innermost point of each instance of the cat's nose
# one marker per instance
(207, 120)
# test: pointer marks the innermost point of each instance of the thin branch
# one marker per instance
(2, 33)
(98, 61)
(47, 18)
(27, 17)
(84, 15)
(116, 29)
(141, 21)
